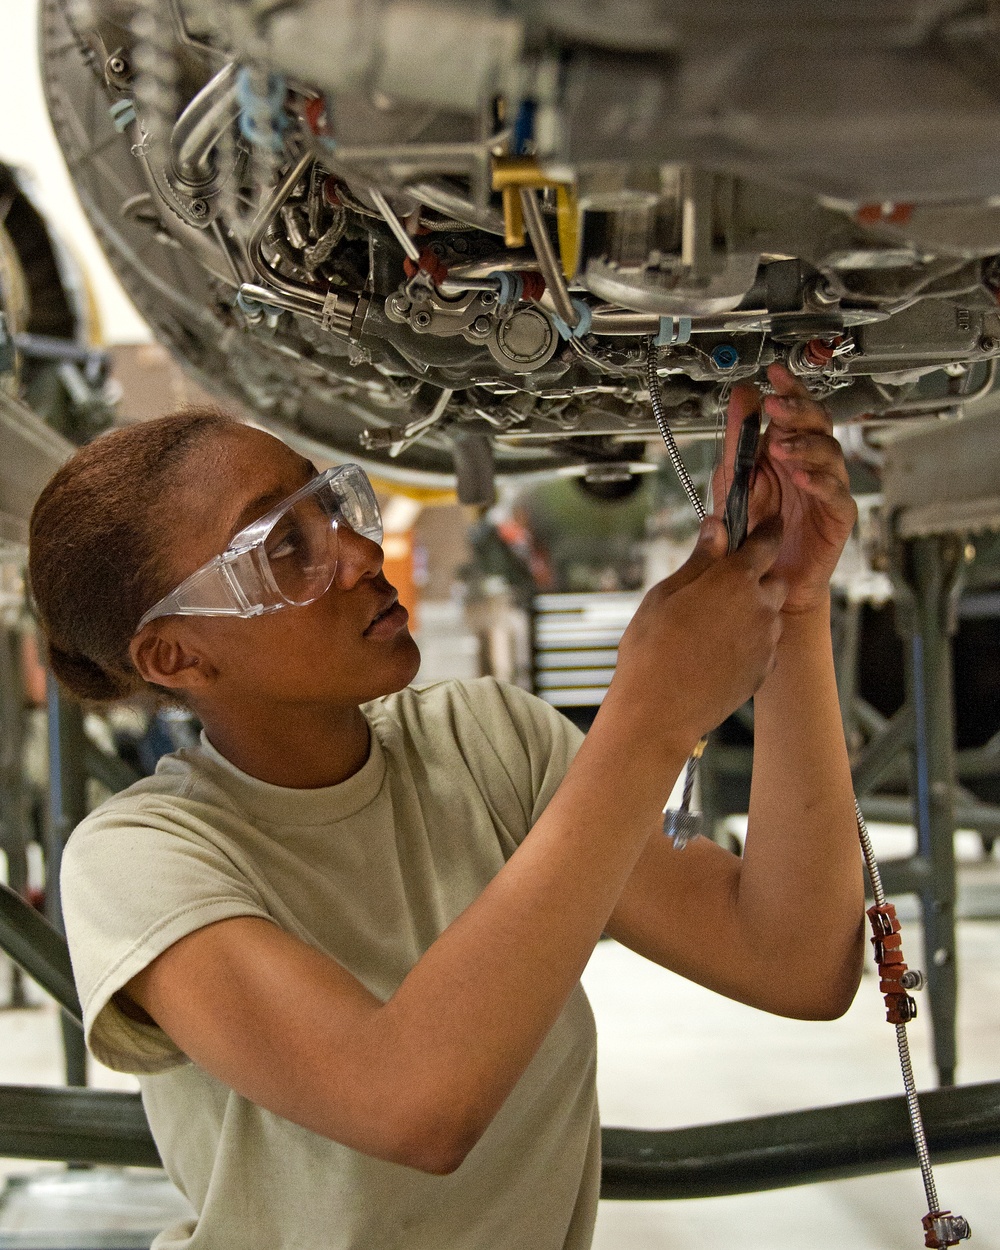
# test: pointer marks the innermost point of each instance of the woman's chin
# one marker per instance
(402, 668)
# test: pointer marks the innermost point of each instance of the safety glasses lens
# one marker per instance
(356, 503)
(301, 551)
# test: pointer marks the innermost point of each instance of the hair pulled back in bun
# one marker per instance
(94, 563)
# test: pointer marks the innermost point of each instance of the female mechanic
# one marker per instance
(340, 941)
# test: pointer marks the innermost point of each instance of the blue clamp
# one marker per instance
(253, 307)
(122, 114)
(582, 326)
(510, 284)
(673, 330)
(263, 120)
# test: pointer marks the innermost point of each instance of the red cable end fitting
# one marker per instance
(942, 1229)
(818, 352)
(883, 919)
(533, 284)
(431, 265)
(315, 114)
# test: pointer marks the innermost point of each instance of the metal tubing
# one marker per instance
(798, 1148)
(39, 948)
(395, 225)
(547, 261)
(75, 1125)
(741, 1156)
(197, 131)
(299, 290)
(878, 759)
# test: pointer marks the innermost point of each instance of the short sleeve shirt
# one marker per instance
(369, 871)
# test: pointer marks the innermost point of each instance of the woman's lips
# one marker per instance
(388, 623)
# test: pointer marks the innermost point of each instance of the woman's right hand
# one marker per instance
(703, 640)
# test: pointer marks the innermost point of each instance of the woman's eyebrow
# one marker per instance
(256, 509)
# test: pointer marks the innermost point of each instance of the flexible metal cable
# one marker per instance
(667, 434)
(902, 1040)
(867, 850)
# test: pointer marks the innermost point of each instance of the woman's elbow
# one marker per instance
(829, 997)
(438, 1143)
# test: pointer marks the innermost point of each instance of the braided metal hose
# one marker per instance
(667, 434)
(902, 1040)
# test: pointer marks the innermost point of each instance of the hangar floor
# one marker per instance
(674, 1054)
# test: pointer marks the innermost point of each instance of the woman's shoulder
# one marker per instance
(180, 797)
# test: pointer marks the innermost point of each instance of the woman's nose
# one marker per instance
(357, 557)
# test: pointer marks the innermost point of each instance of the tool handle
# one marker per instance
(738, 498)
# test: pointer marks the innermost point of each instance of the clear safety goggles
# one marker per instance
(286, 559)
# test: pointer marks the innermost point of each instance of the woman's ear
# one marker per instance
(164, 659)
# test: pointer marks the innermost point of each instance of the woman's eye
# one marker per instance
(283, 545)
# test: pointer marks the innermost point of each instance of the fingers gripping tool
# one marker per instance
(680, 823)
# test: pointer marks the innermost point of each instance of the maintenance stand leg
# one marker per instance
(67, 807)
(930, 569)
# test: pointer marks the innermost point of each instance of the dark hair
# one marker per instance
(95, 562)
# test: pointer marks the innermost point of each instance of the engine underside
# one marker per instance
(425, 234)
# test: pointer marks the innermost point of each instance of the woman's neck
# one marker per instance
(300, 746)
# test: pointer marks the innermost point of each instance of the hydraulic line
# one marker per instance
(941, 1228)
(668, 435)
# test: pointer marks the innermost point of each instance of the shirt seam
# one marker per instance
(151, 932)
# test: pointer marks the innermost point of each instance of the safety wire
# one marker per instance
(941, 1228)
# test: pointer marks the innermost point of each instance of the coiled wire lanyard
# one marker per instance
(941, 1228)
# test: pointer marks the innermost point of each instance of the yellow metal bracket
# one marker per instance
(511, 174)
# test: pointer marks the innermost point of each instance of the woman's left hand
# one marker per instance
(801, 477)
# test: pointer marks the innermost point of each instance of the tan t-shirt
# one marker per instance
(369, 871)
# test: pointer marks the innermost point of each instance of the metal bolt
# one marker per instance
(436, 249)
(913, 979)
(458, 243)
(116, 67)
(823, 291)
(482, 325)
(422, 319)
(987, 344)
(198, 208)
(487, 298)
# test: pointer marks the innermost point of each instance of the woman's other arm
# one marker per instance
(782, 927)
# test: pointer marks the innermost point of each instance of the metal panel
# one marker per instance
(946, 479)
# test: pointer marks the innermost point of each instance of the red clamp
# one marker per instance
(942, 1229)
(432, 265)
(888, 943)
(533, 284)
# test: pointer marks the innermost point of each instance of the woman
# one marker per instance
(341, 941)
